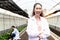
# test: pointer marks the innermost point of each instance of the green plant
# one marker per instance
(20, 28)
(6, 35)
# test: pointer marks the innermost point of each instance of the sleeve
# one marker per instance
(46, 30)
(14, 31)
(29, 30)
(13, 34)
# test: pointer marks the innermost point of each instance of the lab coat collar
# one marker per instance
(35, 18)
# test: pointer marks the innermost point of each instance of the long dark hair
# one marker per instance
(34, 9)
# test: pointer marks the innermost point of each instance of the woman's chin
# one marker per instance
(37, 14)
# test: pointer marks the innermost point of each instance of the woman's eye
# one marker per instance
(38, 8)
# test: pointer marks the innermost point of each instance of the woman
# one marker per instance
(38, 28)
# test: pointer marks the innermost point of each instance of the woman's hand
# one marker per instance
(40, 35)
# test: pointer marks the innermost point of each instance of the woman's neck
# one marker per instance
(37, 17)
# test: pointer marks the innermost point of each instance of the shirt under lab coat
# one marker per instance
(32, 29)
(16, 34)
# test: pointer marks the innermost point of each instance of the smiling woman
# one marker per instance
(38, 28)
(37, 9)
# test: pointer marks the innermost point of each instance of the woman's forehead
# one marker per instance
(39, 6)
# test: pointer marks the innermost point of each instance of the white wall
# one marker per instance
(7, 19)
(54, 20)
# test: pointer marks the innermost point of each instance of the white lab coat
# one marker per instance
(16, 34)
(32, 30)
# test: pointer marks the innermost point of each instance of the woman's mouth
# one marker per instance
(38, 13)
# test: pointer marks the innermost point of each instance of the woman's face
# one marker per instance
(38, 10)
